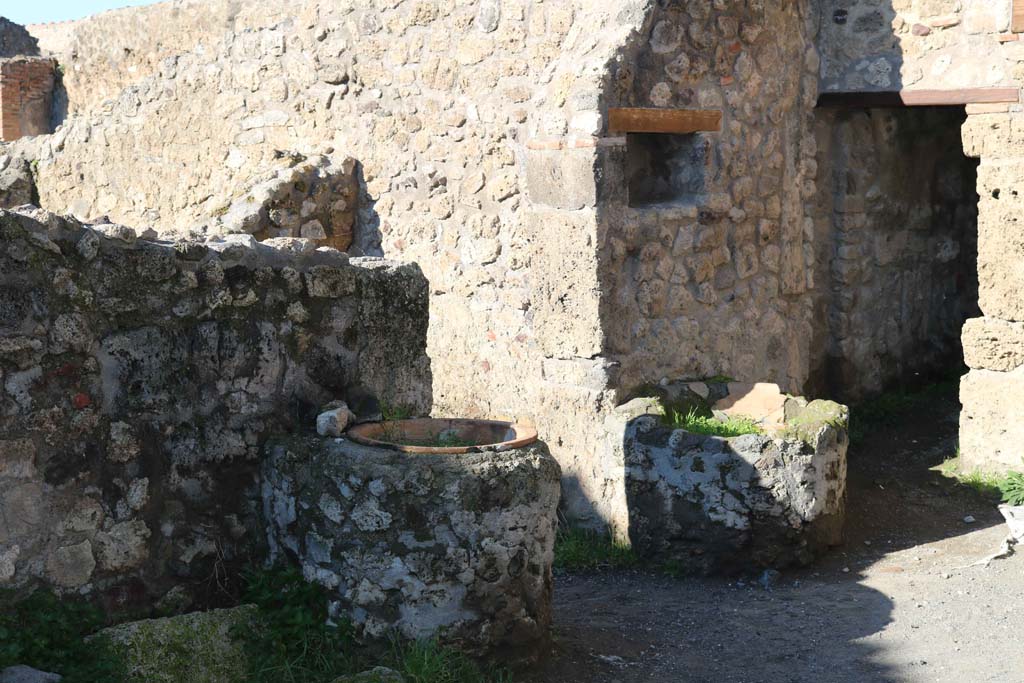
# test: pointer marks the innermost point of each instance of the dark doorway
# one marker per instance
(897, 218)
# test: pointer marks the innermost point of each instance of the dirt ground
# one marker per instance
(896, 602)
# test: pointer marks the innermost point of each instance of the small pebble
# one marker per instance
(968, 519)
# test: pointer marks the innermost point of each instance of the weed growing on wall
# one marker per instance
(1008, 488)
(887, 409)
(696, 423)
(294, 642)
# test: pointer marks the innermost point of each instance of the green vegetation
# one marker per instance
(586, 550)
(694, 422)
(1008, 488)
(889, 408)
(1012, 488)
(49, 634)
(290, 641)
(425, 662)
(395, 412)
(294, 641)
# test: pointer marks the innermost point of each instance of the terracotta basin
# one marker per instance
(429, 435)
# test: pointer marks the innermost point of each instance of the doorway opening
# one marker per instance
(897, 217)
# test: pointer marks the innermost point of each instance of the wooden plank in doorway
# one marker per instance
(919, 98)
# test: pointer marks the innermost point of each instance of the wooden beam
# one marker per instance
(919, 98)
(1017, 24)
(633, 120)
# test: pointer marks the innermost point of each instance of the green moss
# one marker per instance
(191, 648)
(803, 422)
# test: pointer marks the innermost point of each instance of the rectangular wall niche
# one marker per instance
(667, 169)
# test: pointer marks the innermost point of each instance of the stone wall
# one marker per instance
(139, 379)
(897, 219)
(437, 102)
(15, 41)
(713, 280)
(478, 128)
(26, 96)
(710, 504)
(868, 45)
(452, 546)
(105, 53)
(991, 428)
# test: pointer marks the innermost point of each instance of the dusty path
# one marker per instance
(903, 610)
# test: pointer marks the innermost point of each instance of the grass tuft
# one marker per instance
(585, 550)
(49, 633)
(1012, 488)
(427, 662)
(696, 423)
(1008, 488)
(295, 642)
(888, 409)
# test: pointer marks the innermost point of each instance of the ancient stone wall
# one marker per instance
(709, 276)
(15, 41)
(437, 101)
(991, 428)
(139, 380)
(107, 52)
(872, 45)
(897, 228)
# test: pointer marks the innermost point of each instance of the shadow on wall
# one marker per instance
(727, 477)
(59, 110)
(859, 50)
(367, 230)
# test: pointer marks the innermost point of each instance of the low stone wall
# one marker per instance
(139, 380)
(707, 504)
(457, 546)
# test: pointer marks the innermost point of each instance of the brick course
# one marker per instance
(26, 96)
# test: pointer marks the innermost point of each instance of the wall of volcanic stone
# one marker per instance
(707, 273)
(872, 45)
(139, 380)
(438, 101)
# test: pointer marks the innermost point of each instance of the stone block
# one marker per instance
(201, 647)
(561, 179)
(472, 532)
(992, 421)
(993, 344)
